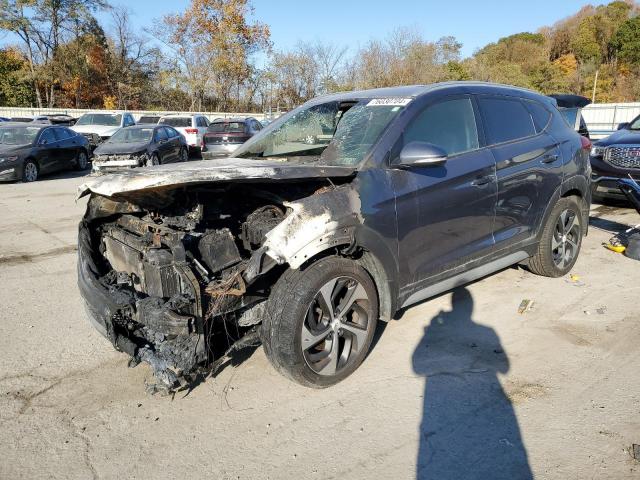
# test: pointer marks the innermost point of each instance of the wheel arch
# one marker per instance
(371, 254)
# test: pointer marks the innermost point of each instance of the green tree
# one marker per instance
(15, 88)
(626, 42)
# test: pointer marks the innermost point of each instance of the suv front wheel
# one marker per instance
(320, 321)
(561, 240)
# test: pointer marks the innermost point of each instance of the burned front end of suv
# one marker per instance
(177, 275)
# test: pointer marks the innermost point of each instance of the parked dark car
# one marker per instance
(149, 119)
(30, 150)
(140, 146)
(225, 135)
(305, 246)
(615, 157)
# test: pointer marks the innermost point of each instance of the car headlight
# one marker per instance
(597, 151)
(8, 159)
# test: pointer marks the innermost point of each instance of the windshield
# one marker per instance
(132, 135)
(233, 127)
(106, 119)
(176, 121)
(332, 133)
(635, 124)
(18, 135)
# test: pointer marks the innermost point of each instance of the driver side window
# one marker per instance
(449, 124)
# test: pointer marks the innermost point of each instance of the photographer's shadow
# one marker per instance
(469, 428)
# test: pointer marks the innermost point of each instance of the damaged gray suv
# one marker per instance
(335, 216)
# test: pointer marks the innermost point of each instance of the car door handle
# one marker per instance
(480, 181)
(549, 158)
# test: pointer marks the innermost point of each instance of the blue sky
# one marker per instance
(354, 22)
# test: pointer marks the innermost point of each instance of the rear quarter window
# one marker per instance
(540, 114)
(505, 119)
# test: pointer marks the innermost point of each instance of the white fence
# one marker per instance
(603, 118)
(12, 112)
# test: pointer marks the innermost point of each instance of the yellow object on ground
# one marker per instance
(615, 248)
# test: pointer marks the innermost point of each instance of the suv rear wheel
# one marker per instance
(321, 321)
(561, 240)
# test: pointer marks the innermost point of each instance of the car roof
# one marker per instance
(138, 126)
(106, 112)
(415, 91)
(183, 115)
(232, 119)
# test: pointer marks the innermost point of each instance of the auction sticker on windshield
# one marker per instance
(388, 102)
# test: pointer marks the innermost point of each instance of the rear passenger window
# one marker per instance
(61, 133)
(505, 119)
(539, 113)
(48, 136)
(161, 134)
(450, 125)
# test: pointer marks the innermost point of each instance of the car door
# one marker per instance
(528, 164)
(66, 149)
(48, 152)
(164, 146)
(174, 141)
(445, 213)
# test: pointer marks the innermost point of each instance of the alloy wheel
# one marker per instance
(565, 241)
(30, 172)
(82, 160)
(335, 328)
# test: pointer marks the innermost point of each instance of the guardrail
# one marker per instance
(602, 119)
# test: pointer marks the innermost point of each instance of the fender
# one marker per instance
(577, 183)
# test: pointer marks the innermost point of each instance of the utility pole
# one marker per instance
(595, 84)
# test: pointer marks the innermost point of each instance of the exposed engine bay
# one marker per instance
(178, 277)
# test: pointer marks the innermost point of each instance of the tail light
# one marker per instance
(586, 143)
(191, 130)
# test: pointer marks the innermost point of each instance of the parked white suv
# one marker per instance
(193, 127)
(99, 126)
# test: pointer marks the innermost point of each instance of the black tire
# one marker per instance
(294, 301)
(559, 246)
(82, 160)
(184, 155)
(30, 171)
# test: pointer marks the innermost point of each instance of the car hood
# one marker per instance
(621, 137)
(108, 148)
(7, 149)
(102, 130)
(207, 171)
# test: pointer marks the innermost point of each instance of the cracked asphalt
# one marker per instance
(461, 386)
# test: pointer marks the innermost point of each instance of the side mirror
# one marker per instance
(421, 154)
(623, 126)
(43, 141)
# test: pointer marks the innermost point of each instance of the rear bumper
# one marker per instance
(221, 150)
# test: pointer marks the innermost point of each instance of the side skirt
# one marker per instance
(465, 277)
